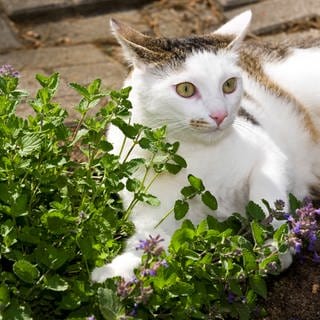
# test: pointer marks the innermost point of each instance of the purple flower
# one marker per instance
(152, 272)
(134, 310)
(91, 318)
(296, 228)
(231, 297)
(164, 263)
(124, 288)
(7, 70)
(316, 257)
(151, 245)
(304, 226)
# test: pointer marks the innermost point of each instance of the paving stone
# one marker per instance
(81, 64)
(275, 15)
(25, 8)
(8, 39)
(53, 57)
(82, 29)
(228, 4)
(293, 37)
(173, 18)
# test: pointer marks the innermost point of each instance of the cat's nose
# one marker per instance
(218, 116)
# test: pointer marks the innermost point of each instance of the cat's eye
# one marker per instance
(229, 86)
(185, 89)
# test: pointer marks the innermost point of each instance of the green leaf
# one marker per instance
(128, 130)
(196, 183)
(26, 271)
(109, 304)
(52, 257)
(55, 283)
(133, 185)
(17, 311)
(181, 208)
(294, 203)
(258, 232)
(30, 143)
(189, 192)
(249, 261)
(183, 235)
(181, 289)
(235, 287)
(83, 91)
(81, 133)
(179, 160)
(20, 206)
(44, 96)
(264, 264)
(209, 200)
(243, 311)
(30, 235)
(70, 301)
(255, 212)
(258, 284)
(149, 198)
(50, 82)
(58, 222)
(132, 166)
(281, 233)
(94, 87)
(4, 296)
(173, 168)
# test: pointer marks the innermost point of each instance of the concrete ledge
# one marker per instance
(26, 9)
(275, 15)
(8, 39)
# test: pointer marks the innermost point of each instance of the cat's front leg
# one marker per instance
(270, 182)
(124, 264)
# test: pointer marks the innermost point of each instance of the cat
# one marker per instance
(246, 115)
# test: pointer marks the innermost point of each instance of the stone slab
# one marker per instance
(8, 38)
(79, 29)
(183, 17)
(25, 8)
(228, 4)
(293, 37)
(109, 71)
(53, 57)
(275, 15)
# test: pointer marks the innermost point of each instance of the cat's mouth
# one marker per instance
(204, 126)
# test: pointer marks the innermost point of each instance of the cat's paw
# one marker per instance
(122, 266)
(286, 258)
(102, 273)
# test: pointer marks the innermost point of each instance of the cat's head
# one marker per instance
(193, 85)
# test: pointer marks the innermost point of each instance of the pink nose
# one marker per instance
(218, 116)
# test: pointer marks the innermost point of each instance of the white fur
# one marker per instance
(238, 161)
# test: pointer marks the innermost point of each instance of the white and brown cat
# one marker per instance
(247, 116)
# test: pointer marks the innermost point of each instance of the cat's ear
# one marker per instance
(135, 45)
(237, 27)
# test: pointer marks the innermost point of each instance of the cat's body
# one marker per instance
(252, 138)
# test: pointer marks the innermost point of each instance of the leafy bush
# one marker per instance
(61, 216)
(60, 213)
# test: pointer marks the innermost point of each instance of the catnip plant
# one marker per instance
(60, 213)
(61, 216)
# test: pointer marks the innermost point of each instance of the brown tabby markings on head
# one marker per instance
(161, 52)
(252, 65)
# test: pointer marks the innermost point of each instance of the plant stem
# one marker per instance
(164, 217)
